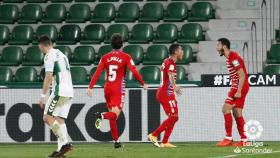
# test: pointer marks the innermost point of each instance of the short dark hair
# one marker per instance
(116, 41)
(224, 41)
(173, 48)
(45, 40)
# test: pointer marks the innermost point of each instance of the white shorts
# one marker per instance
(58, 106)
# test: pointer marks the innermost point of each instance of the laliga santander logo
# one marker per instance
(253, 129)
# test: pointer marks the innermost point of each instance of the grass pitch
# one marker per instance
(140, 150)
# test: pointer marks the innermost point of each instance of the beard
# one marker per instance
(221, 52)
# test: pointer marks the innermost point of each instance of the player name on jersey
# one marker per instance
(223, 80)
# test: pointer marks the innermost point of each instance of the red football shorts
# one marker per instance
(168, 102)
(114, 98)
(237, 102)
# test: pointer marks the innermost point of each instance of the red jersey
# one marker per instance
(167, 66)
(115, 64)
(234, 63)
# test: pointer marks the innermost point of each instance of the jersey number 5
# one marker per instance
(112, 72)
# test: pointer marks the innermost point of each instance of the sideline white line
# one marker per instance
(235, 155)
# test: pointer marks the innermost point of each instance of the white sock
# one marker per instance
(57, 130)
(59, 145)
(64, 132)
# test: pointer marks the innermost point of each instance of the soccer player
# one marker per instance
(166, 96)
(57, 74)
(236, 97)
(115, 64)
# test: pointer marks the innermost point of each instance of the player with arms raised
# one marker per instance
(57, 71)
(115, 64)
(166, 96)
(237, 94)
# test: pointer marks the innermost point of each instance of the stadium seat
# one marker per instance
(83, 55)
(85, 0)
(36, 1)
(103, 12)
(117, 28)
(109, 0)
(278, 35)
(69, 34)
(6, 75)
(150, 74)
(79, 75)
(181, 75)
(21, 35)
(273, 56)
(141, 33)
(155, 55)
(11, 56)
(13, 1)
(128, 12)
(93, 34)
(136, 52)
(33, 57)
(54, 13)
(132, 0)
(102, 77)
(42, 75)
(176, 12)
(48, 30)
(60, 1)
(30, 14)
(103, 50)
(4, 34)
(65, 50)
(151, 12)
(78, 13)
(201, 11)
(166, 33)
(272, 70)
(9, 13)
(187, 55)
(26, 74)
(190, 33)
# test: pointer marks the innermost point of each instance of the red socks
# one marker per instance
(240, 126)
(112, 117)
(168, 126)
(228, 124)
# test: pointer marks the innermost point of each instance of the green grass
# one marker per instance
(134, 150)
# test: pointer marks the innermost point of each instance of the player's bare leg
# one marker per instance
(227, 141)
(237, 113)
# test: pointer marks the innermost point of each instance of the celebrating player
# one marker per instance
(57, 71)
(115, 64)
(237, 94)
(166, 96)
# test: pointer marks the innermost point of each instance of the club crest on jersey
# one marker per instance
(114, 59)
(235, 63)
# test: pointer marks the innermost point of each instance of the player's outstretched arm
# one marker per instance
(95, 77)
(46, 86)
(241, 75)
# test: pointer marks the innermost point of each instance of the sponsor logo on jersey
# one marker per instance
(235, 63)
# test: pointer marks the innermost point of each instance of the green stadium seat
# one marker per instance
(4, 34)
(128, 12)
(83, 55)
(141, 33)
(103, 50)
(33, 57)
(273, 56)
(132, 0)
(65, 50)
(11, 56)
(103, 12)
(36, 1)
(116, 28)
(187, 55)
(69, 34)
(93, 34)
(102, 77)
(26, 74)
(79, 75)
(166, 33)
(150, 74)
(155, 55)
(85, 0)
(48, 30)
(108, 0)
(190, 33)
(181, 75)
(9, 13)
(6, 75)
(54, 13)
(136, 52)
(42, 75)
(278, 35)
(21, 35)
(201, 11)
(30, 14)
(272, 70)
(78, 13)
(151, 12)
(13, 1)
(176, 12)
(60, 1)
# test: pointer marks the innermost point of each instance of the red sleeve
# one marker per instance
(236, 61)
(132, 68)
(96, 74)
